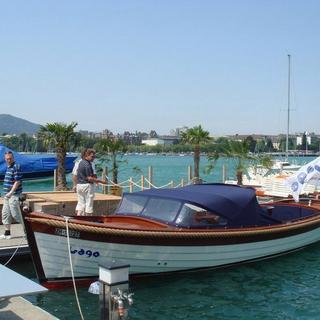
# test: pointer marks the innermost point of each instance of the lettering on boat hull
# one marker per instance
(63, 233)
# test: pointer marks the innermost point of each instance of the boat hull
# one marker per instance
(150, 252)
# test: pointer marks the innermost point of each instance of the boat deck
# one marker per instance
(64, 202)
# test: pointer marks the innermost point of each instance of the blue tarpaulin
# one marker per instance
(37, 165)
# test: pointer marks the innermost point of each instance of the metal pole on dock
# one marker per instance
(182, 182)
(130, 185)
(142, 182)
(150, 174)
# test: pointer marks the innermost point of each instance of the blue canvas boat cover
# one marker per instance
(34, 163)
(237, 204)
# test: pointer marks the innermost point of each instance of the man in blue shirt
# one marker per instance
(12, 188)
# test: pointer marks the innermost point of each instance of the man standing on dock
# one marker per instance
(12, 188)
(85, 183)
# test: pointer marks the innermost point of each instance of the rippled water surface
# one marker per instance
(287, 287)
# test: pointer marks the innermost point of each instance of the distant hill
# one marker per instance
(13, 125)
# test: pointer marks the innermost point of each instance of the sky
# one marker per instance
(141, 65)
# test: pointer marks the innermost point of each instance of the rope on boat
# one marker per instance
(15, 251)
(71, 267)
(173, 233)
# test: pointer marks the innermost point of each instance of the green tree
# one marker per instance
(282, 142)
(238, 150)
(251, 142)
(109, 150)
(269, 145)
(260, 146)
(196, 137)
(59, 134)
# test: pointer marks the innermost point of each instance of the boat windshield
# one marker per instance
(161, 209)
(132, 205)
(194, 216)
(169, 211)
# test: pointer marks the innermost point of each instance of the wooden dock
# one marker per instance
(64, 202)
(18, 308)
(17, 243)
(12, 305)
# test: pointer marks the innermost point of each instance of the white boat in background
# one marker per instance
(273, 181)
(276, 183)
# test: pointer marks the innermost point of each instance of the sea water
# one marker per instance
(165, 168)
(287, 287)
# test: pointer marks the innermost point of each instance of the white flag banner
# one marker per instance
(309, 173)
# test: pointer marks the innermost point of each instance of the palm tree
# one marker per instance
(196, 136)
(109, 150)
(239, 150)
(60, 134)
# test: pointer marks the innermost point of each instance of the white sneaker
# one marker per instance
(5, 237)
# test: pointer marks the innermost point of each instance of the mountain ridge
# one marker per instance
(13, 125)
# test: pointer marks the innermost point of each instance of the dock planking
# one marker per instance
(17, 242)
(17, 308)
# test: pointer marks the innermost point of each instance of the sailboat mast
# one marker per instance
(288, 115)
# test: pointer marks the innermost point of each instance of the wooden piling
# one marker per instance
(189, 173)
(223, 173)
(54, 179)
(150, 176)
(105, 176)
(130, 185)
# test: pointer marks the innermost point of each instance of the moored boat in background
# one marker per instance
(36, 166)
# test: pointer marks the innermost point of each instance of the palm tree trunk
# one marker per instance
(196, 160)
(239, 178)
(61, 176)
(115, 169)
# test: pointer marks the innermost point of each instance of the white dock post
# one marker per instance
(142, 182)
(150, 176)
(54, 179)
(223, 173)
(104, 176)
(130, 185)
(114, 285)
